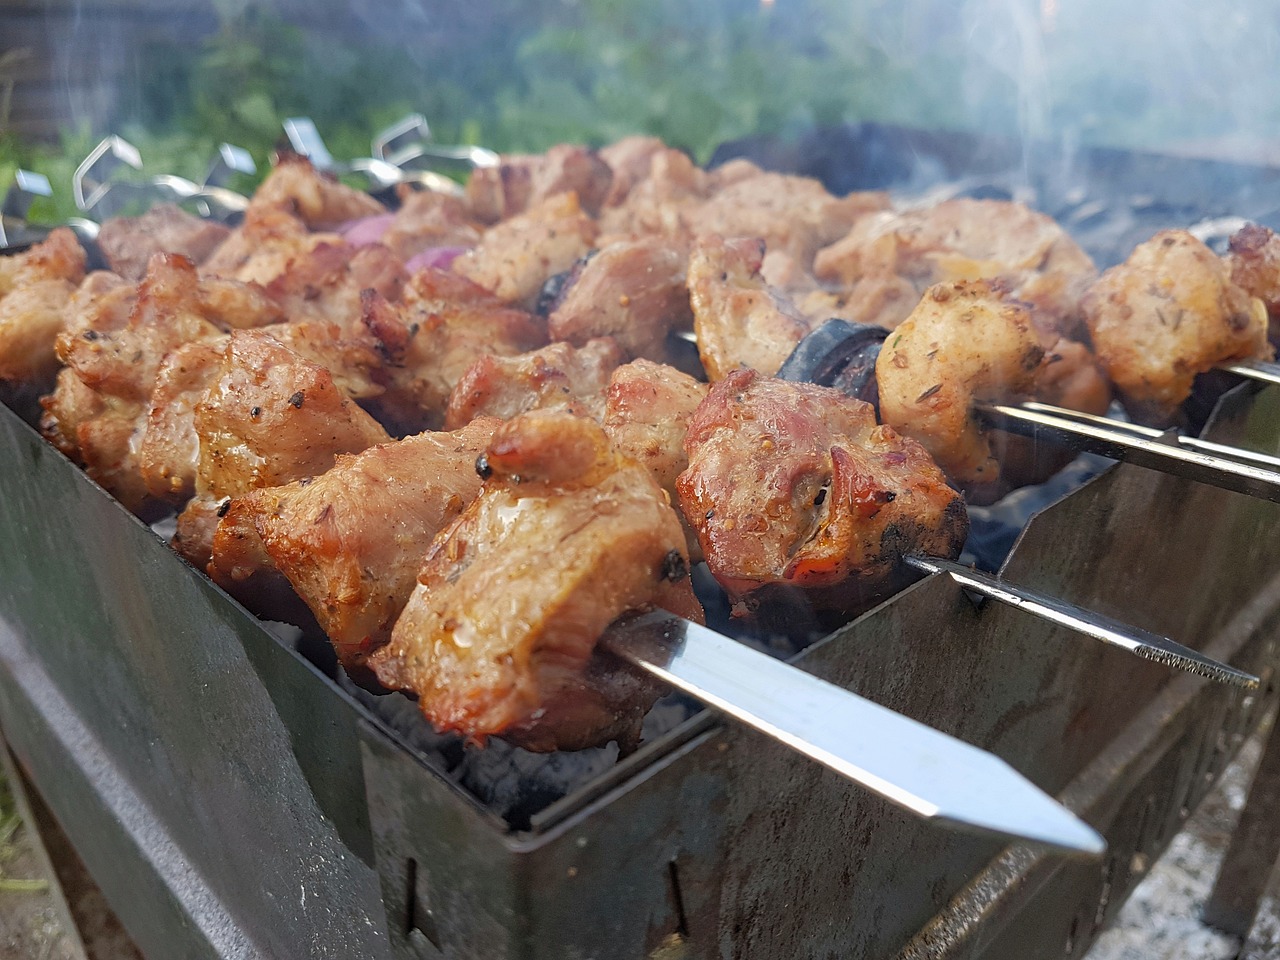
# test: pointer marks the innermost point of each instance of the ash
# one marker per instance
(1161, 919)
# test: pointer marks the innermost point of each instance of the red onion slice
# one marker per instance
(366, 230)
(439, 257)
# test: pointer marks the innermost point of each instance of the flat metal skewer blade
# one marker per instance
(1191, 443)
(1144, 643)
(908, 763)
(1119, 444)
(1254, 370)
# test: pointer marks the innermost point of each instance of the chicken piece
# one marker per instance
(795, 215)
(630, 160)
(428, 218)
(633, 291)
(325, 283)
(128, 243)
(36, 287)
(1254, 258)
(646, 415)
(515, 258)
(319, 200)
(959, 240)
(444, 326)
(739, 320)
(522, 181)
(351, 541)
(664, 203)
(1167, 313)
(795, 485)
(557, 376)
(964, 343)
(499, 636)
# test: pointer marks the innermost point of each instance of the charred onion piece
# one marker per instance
(839, 354)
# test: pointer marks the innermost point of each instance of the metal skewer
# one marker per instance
(1149, 646)
(1119, 442)
(1258, 370)
(909, 764)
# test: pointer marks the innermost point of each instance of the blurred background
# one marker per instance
(177, 77)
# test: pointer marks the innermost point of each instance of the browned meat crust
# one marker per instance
(521, 181)
(1167, 313)
(499, 636)
(792, 484)
(129, 242)
(351, 541)
(35, 289)
(557, 376)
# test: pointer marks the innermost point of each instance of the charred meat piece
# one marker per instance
(964, 343)
(793, 215)
(515, 258)
(958, 240)
(352, 540)
(792, 485)
(557, 376)
(128, 243)
(633, 291)
(36, 287)
(499, 636)
(522, 181)
(445, 324)
(1167, 313)
(739, 320)
(1254, 258)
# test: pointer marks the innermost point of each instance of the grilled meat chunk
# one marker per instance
(522, 181)
(327, 282)
(515, 258)
(633, 291)
(739, 320)
(1254, 258)
(319, 200)
(793, 215)
(630, 160)
(36, 287)
(128, 243)
(499, 636)
(445, 325)
(795, 485)
(1167, 313)
(958, 240)
(663, 203)
(263, 245)
(427, 218)
(964, 343)
(169, 448)
(351, 541)
(557, 376)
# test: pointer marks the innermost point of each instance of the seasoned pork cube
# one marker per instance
(522, 181)
(264, 245)
(1167, 313)
(169, 449)
(515, 258)
(663, 203)
(739, 320)
(795, 485)
(128, 243)
(36, 287)
(445, 324)
(326, 283)
(352, 540)
(427, 218)
(1254, 259)
(630, 160)
(964, 343)
(317, 199)
(557, 376)
(633, 291)
(959, 240)
(499, 637)
(795, 215)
